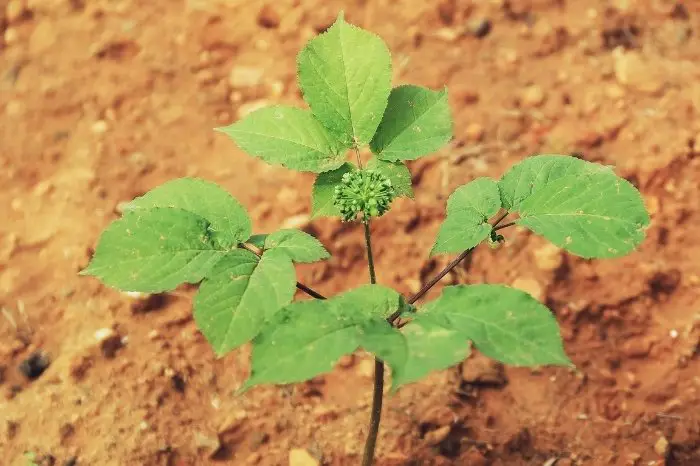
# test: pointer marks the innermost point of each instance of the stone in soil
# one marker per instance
(447, 10)
(480, 370)
(438, 415)
(151, 302)
(35, 365)
(210, 443)
(268, 17)
(661, 446)
(242, 77)
(530, 286)
(474, 132)
(532, 97)
(479, 27)
(549, 257)
(637, 347)
(109, 340)
(301, 457)
(638, 73)
(436, 436)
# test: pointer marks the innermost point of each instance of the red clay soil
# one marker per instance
(102, 100)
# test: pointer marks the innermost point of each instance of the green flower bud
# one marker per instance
(363, 191)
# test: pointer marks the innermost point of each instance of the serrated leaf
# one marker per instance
(468, 211)
(240, 294)
(397, 172)
(387, 343)
(416, 122)
(370, 300)
(505, 324)
(430, 347)
(345, 76)
(298, 245)
(288, 136)
(594, 215)
(154, 250)
(227, 217)
(536, 172)
(258, 240)
(301, 341)
(324, 189)
(306, 338)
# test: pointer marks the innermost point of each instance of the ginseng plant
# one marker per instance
(192, 231)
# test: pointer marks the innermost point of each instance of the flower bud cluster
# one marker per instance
(363, 191)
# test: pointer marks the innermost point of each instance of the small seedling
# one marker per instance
(192, 231)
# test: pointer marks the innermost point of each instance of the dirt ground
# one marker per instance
(101, 100)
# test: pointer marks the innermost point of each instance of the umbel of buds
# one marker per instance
(363, 191)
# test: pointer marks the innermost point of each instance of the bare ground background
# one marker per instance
(101, 100)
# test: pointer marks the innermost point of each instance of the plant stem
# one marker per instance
(310, 291)
(433, 281)
(378, 394)
(377, 398)
(505, 225)
(359, 159)
(439, 276)
(370, 256)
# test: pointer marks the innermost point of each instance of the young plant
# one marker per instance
(190, 231)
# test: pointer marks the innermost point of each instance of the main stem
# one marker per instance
(378, 395)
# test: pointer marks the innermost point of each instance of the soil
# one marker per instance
(102, 100)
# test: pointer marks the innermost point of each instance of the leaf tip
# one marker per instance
(247, 385)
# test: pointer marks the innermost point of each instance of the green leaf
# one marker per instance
(345, 76)
(301, 341)
(258, 240)
(503, 323)
(468, 211)
(386, 342)
(397, 172)
(154, 250)
(298, 245)
(594, 215)
(416, 122)
(324, 189)
(228, 219)
(370, 300)
(306, 338)
(430, 346)
(240, 294)
(288, 136)
(536, 172)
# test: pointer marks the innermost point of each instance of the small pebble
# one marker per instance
(99, 127)
(447, 10)
(14, 11)
(210, 443)
(661, 446)
(35, 365)
(245, 76)
(268, 17)
(109, 340)
(530, 286)
(480, 370)
(532, 97)
(479, 28)
(474, 132)
(436, 436)
(548, 257)
(301, 457)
